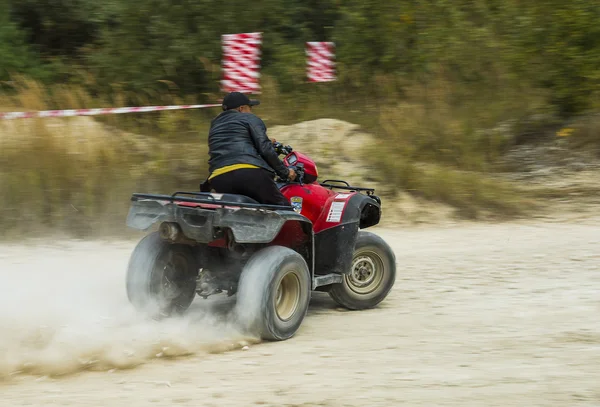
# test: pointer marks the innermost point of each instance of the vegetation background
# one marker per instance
(445, 86)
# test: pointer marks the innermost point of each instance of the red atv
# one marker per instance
(270, 256)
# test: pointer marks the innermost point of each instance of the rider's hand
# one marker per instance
(273, 140)
(292, 175)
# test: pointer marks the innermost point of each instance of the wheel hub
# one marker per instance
(287, 296)
(366, 274)
(363, 271)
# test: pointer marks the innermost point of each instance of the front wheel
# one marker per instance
(161, 277)
(371, 277)
(273, 293)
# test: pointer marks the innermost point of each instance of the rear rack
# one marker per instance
(346, 187)
(206, 198)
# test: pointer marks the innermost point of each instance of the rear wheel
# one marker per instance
(273, 293)
(161, 277)
(372, 274)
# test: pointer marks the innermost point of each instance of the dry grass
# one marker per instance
(77, 174)
(583, 133)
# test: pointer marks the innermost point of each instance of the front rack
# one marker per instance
(346, 187)
(206, 198)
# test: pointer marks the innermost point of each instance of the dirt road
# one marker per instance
(481, 315)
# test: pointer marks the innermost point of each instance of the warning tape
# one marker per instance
(95, 112)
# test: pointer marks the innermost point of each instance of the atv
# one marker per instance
(270, 257)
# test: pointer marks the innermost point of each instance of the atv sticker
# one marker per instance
(296, 202)
(335, 211)
(342, 196)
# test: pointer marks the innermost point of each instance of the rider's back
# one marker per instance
(230, 141)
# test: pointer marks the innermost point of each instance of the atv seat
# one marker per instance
(236, 198)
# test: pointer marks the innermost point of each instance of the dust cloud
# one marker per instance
(64, 313)
(480, 315)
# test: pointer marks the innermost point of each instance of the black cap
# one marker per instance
(237, 99)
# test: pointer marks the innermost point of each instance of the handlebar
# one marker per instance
(281, 149)
(299, 168)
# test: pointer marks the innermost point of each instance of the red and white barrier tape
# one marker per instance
(95, 112)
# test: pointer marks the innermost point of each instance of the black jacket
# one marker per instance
(241, 138)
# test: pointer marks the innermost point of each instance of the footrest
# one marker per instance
(327, 279)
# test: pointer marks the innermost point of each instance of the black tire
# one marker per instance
(374, 261)
(256, 307)
(161, 277)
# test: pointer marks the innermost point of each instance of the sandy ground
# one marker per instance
(481, 315)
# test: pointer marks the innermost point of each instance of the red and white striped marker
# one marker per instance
(241, 62)
(95, 112)
(321, 64)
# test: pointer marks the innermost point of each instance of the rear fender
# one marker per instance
(195, 223)
(206, 225)
(298, 235)
(289, 230)
(143, 214)
(257, 226)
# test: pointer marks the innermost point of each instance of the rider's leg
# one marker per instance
(256, 183)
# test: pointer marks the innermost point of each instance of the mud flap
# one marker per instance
(334, 248)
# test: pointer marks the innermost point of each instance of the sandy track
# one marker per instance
(485, 315)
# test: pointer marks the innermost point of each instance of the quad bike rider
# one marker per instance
(242, 158)
(269, 256)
